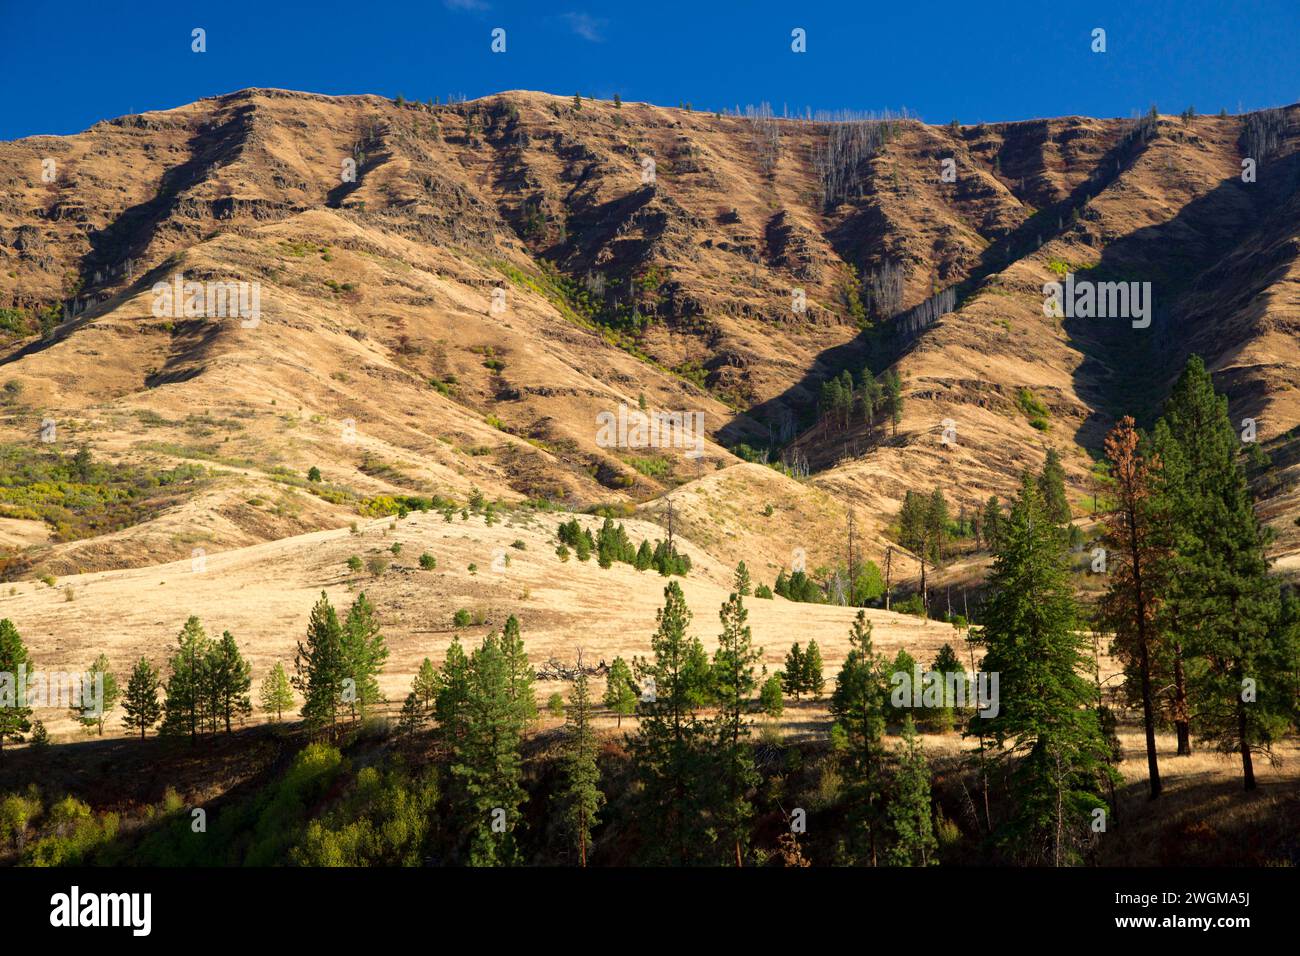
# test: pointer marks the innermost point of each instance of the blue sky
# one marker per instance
(71, 64)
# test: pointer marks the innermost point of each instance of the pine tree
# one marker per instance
(425, 687)
(519, 670)
(697, 675)
(1220, 600)
(276, 694)
(453, 690)
(742, 584)
(936, 526)
(910, 819)
(620, 691)
(187, 707)
(96, 703)
(319, 667)
(1051, 487)
(15, 715)
(411, 715)
(666, 748)
(230, 678)
(733, 670)
(486, 763)
(992, 522)
(770, 698)
(946, 662)
(793, 675)
(812, 680)
(363, 653)
(858, 706)
(893, 386)
(579, 797)
(1133, 554)
(141, 701)
(1044, 721)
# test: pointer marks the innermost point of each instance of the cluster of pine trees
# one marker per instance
(1209, 639)
(209, 683)
(611, 543)
(803, 671)
(846, 399)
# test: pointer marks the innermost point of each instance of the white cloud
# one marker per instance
(585, 26)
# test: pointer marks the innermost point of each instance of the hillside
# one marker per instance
(379, 357)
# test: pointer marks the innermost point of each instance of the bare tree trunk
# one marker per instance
(1182, 721)
(1247, 763)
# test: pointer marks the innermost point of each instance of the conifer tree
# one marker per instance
(187, 707)
(893, 398)
(319, 667)
(486, 762)
(697, 674)
(1128, 608)
(742, 585)
(140, 704)
(620, 691)
(733, 676)
(992, 522)
(770, 698)
(793, 676)
(230, 679)
(276, 694)
(520, 672)
(945, 663)
(911, 826)
(580, 797)
(425, 687)
(858, 706)
(666, 748)
(411, 716)
(15, 715)
(1220, 598)
(1051, 487)
(363, 652)
(453, 689)
(903, 668)
(93, 711)
(1044, 723)
(812, 680)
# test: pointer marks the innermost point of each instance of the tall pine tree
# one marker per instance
(1220, 599)
(1045, 723)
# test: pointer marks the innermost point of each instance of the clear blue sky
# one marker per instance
(70, 64)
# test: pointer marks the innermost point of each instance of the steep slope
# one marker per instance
(497, 274)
